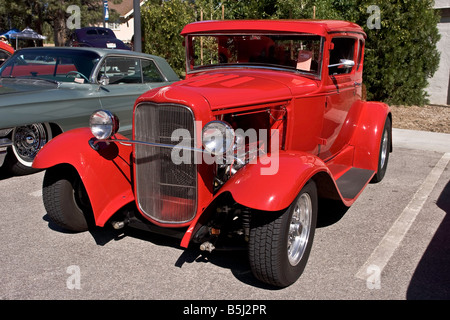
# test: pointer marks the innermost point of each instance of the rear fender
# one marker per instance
(367, 136)
(106, 174)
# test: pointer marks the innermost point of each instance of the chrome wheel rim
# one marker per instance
(384, 149)
(27, 141)
(299, 229)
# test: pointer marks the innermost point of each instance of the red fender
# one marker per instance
(258, 187)
(367, 135)
(271, 184)
(106, 174)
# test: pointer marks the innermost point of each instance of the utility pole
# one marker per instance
(137, 26)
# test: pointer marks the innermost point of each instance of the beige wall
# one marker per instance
(439, 85)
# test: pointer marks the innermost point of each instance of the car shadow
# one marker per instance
(431, 279)
(101, 235)
(330, 212)
(4, 174)
(234, 259)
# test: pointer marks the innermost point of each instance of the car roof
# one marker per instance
(99, 51)
(320, 27)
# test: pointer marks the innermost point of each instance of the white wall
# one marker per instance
(439, 85)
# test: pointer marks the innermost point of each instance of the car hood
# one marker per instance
(19, 85)
(235, 88)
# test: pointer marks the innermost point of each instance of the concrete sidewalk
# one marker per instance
(421, 140)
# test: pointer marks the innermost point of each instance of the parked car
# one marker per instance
(240, 152)
(47, 91)
(5, 52)
(96, 37)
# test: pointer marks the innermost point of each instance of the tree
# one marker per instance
(162, 22)
(400, 54)
(37, 13)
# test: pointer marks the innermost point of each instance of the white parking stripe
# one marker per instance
(385, 249)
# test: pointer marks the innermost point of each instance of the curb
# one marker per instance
(421, 140)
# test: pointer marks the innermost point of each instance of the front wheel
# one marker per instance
(26, 143)
(280, 244)
(66, 200)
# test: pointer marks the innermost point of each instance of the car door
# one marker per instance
(341, 95)
(126, 79)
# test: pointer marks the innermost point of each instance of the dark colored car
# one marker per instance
(96, 37)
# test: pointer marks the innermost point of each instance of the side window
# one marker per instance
(151, 72)
(344, 48)
(121, 70)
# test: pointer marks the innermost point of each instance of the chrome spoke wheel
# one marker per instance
(27, 141)
(299, 229)
(384, 149)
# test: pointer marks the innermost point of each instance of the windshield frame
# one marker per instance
(192, 69)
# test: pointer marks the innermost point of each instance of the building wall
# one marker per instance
(124, 31)
(439, 85)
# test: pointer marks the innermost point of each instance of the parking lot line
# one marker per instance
(392, 239)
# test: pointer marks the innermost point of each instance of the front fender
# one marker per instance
(106, 174)
(274, 181)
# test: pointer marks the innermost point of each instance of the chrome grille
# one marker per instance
(165, 191)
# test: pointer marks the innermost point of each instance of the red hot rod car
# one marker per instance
(269, 121)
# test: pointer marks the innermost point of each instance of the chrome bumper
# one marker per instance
(2, 155)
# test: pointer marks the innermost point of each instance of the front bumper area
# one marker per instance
(4, 144)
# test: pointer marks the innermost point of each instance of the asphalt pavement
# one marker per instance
(393, 243)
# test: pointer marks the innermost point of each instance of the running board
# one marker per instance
(353, 181)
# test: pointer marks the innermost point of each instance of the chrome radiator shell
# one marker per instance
(165, 192)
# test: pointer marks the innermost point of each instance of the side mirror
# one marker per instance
(343, 64)
(104, 80)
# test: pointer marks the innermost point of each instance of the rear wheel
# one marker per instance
(383, 157)
(280, 244)
(66, 200)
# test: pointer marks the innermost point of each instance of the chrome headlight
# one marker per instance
(103, 124)
(217, 137)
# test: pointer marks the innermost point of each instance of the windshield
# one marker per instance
(96, 32)
(296, 52)
(58, 65)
